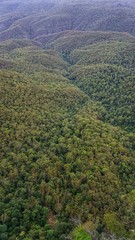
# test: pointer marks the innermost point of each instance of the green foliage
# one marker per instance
(69, 41)
(80, 234)
(3, 232)
(113, 224)
(111, 85)
(63, 162)
(120, 53)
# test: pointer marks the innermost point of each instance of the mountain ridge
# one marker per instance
(71, 16)
(67, 120)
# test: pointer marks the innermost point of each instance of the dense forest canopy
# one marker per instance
(67, 114)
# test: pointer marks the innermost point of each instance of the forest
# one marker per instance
(67, 114)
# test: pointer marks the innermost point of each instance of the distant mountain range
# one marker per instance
(36, 19)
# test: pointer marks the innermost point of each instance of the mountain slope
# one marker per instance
(31, 19)
(71, 40)
(53, 153)
(67, 120)
(103, 67)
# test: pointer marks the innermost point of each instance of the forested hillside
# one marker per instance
(35, 19)
(67, 90)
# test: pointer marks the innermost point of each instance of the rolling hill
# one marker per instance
(33, 20)
(67, 87)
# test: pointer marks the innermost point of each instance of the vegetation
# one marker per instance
(114, 87)
(79, 234)
(32, 19)
(67, 129)
(59, 162)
